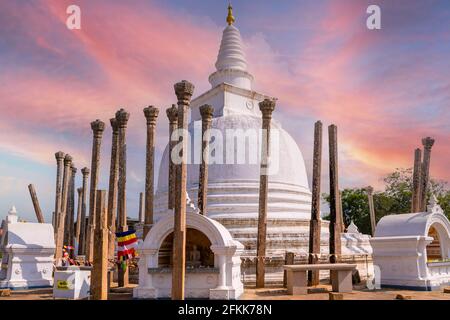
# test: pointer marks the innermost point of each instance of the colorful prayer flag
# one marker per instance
(126, 244)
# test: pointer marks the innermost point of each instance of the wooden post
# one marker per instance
(59, 172)
(122, 119)
(61, 220)
(206, 112)
(172, 115)
(371, 210)
(37, 207)
(314, 224)
(84, 224)
(267, 106)
(417, 177)
(335, 216)
(288, 260)
(151, 114)
(183, 91)
(427, 144)
(112, 190)
(97, 127)
(99, 279)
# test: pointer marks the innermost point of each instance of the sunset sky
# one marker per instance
(384, 89)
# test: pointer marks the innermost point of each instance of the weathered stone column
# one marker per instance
(417, 177)
(314, 224)
(99, 280)
(172, 114)
(97, 127)
(267, 106)
(112, 191)
(184, 91)
(335, 216)
(61, 220)
(37, 207)
(70, 218)
(151, 114)
(373, 222)
(206, 112)
(78, 223)
(288, 260)
(427, 144)
(84, 225)
(122, 119)
(59, 171)
(141, 207)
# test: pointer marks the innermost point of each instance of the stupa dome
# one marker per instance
(233, 189)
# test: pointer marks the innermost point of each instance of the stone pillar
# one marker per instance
(373, 222)
(84, 225)
(97, 127)
(61, 220)
(122, 119)
(59, 171)
(151, 114)
(78, 223)
(183, 91)
(417, 176)
(427, 144)
(99, 279)
(37, 207)
(335, 216)
(71, 220)
(141, 207)
(68, 210)
(206, 112)
(267, 106)
(112, 191)
(314, 224)
(172, 114)
(288, 260)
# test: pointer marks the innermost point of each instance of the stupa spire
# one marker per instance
(230, 18)
(231, 64)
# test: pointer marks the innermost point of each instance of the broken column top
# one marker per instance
(206, 111)
(68, 160)
(85, 171)
(267, 106)
(184, 91)
(98, 126)
(114, 125)
(122, 118)
(428, 142)
(74, 169)
(59, 156)
(172, 114)
(151, 113)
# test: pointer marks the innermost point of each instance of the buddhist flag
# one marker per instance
(126, 243)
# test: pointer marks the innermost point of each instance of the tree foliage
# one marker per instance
(395, 199)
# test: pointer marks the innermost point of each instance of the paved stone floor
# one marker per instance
(359, 293)
(317, 293)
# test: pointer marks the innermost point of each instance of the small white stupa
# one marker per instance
(27, 253)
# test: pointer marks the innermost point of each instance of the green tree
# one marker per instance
(395, 199)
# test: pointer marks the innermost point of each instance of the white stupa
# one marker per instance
(233, 189)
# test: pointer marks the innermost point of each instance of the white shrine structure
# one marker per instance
(233, 189)
(27, 253)
(413, 250)
(213, 261)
